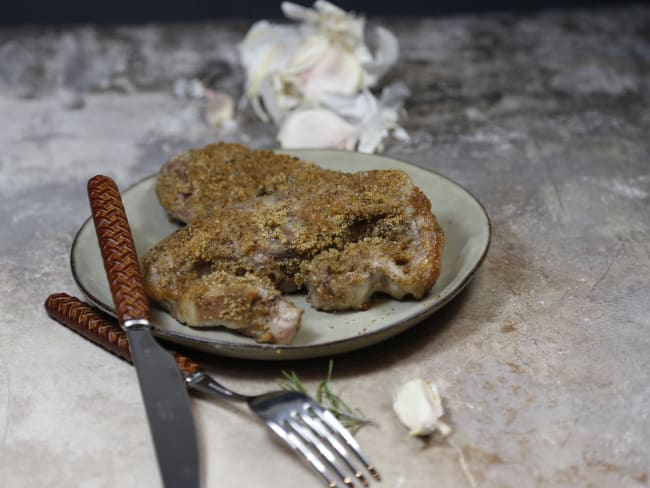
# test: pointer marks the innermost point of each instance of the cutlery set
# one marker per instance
(165, 376)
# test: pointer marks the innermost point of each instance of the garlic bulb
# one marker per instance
(419, 407)
(320, 66)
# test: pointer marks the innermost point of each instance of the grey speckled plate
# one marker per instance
(467, 237)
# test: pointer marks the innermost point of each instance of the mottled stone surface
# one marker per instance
(544, 360)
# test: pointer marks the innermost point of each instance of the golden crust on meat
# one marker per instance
(262, 223)
(218, 175)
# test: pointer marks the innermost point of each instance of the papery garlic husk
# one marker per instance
(419, 407)
(317, 128)
(386, 54)
(383, 120)
(276, 99)
(375, 118)
(340, 26)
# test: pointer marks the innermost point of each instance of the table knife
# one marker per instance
(165, 397)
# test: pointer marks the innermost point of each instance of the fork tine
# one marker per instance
(305, 433)
(326, 436)
(328, 418)
(299, 446)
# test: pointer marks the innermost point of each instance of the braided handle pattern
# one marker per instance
(88, 322)
(101, 329)
(118, 250)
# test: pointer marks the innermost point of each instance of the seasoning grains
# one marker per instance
(196, 181)
(262, 223)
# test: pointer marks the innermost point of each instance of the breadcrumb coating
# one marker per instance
(262, 223)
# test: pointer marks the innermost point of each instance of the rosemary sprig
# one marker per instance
(291, 382)
(351, 418)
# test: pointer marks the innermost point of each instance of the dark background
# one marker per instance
(110, 11)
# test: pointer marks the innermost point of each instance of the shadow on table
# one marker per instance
(376, 357)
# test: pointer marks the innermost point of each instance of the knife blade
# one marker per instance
(164, 395)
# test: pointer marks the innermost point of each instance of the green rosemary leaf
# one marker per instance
(291, 382)
(351, 418)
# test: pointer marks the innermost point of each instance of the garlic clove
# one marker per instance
(317, 128)
(419, 407)
(219, 108)
(337, 72)
(311, 52)
(266, 49)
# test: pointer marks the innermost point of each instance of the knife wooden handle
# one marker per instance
(101, 329)
(118, 250)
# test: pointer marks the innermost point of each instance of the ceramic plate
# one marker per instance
(467, 236)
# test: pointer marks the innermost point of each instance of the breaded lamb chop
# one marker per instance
(342, 236)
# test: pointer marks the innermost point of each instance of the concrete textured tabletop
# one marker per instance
(543, 361)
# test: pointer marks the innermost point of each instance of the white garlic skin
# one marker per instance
(419, 407)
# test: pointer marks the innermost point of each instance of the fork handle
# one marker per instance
(102, 329)
(118, 251)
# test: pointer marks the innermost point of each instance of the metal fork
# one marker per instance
(313, 432)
